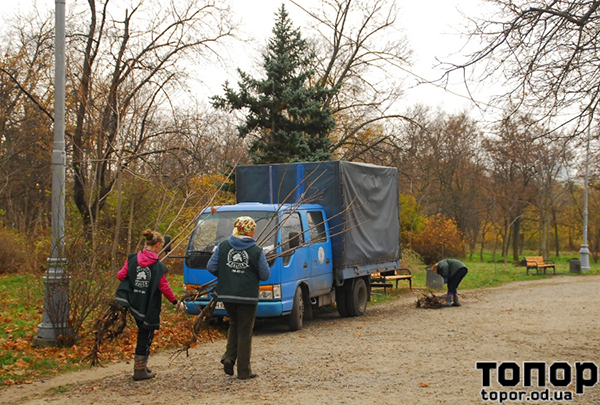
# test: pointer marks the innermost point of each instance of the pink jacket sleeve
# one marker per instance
(123, 272)
(165, 288)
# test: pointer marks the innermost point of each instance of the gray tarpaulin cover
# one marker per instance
(365, 233)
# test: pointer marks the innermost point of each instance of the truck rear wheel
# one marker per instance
(357, 298)
(295, 319)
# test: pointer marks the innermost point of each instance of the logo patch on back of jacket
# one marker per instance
(237, 260)
(142, 278)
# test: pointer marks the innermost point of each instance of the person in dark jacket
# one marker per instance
(143, 282)
(453, 272)
(239, 264)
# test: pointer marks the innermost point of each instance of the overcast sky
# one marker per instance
(431, 27)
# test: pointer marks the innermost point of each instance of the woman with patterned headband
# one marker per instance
(239, 264)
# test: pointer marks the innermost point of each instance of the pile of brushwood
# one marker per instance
(203, 319)
(431, 301)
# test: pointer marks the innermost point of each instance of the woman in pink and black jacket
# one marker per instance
(143, 283)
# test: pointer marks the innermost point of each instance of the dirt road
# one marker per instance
(395, 354)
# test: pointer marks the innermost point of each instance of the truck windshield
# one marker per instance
(211, 229)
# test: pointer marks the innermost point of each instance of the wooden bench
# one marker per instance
(538, 263)
(379, 281)
(401, 274)
(382, 280)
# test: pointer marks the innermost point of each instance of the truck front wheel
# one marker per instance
(341, 301)
(295, 319)
(357, 298)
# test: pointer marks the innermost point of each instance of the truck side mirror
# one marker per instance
(167, 244)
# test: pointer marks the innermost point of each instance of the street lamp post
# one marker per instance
(584, 252)
(55, 316)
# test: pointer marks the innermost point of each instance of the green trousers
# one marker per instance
(239, 336)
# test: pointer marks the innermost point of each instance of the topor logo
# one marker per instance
(559, 374)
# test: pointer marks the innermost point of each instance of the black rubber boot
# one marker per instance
(140, 372)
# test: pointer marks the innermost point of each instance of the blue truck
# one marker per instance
(324, 226)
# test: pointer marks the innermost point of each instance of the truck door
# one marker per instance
(320, 254)
(295, 257)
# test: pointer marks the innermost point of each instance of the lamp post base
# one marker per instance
(584, 257)
(54, 326)
(44, 342)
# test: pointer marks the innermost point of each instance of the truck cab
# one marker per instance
(296, 242)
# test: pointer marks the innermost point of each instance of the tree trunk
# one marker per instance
(556, 240)
(118, 219)
(506, 239)
(130, 225)
(482, 245)
(516, 232)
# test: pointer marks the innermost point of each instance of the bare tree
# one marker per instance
(361, 53)
(544, 52)
(459, 173)
(551, 159)
(444, 160)
(128, 67)
(512, 157)
(25, 130)
(207, 140)
(153, 188)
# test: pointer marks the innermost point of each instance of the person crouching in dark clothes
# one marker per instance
(453, 271)
(239, 264)
(143, 282)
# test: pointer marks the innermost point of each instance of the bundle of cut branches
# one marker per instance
(203, 318)
(430, 301)
(110, 325)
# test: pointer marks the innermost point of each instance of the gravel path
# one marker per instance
(395, 354)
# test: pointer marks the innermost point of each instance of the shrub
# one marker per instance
(14, 255)
(411, 219)
(439, 238)
(411, 259)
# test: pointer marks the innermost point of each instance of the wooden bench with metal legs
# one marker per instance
(382, 280)
(401, 274)
(538, 263)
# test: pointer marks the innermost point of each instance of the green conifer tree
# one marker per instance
(285, 112)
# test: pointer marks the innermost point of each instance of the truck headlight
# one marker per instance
(269, 292)
(193, 287)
